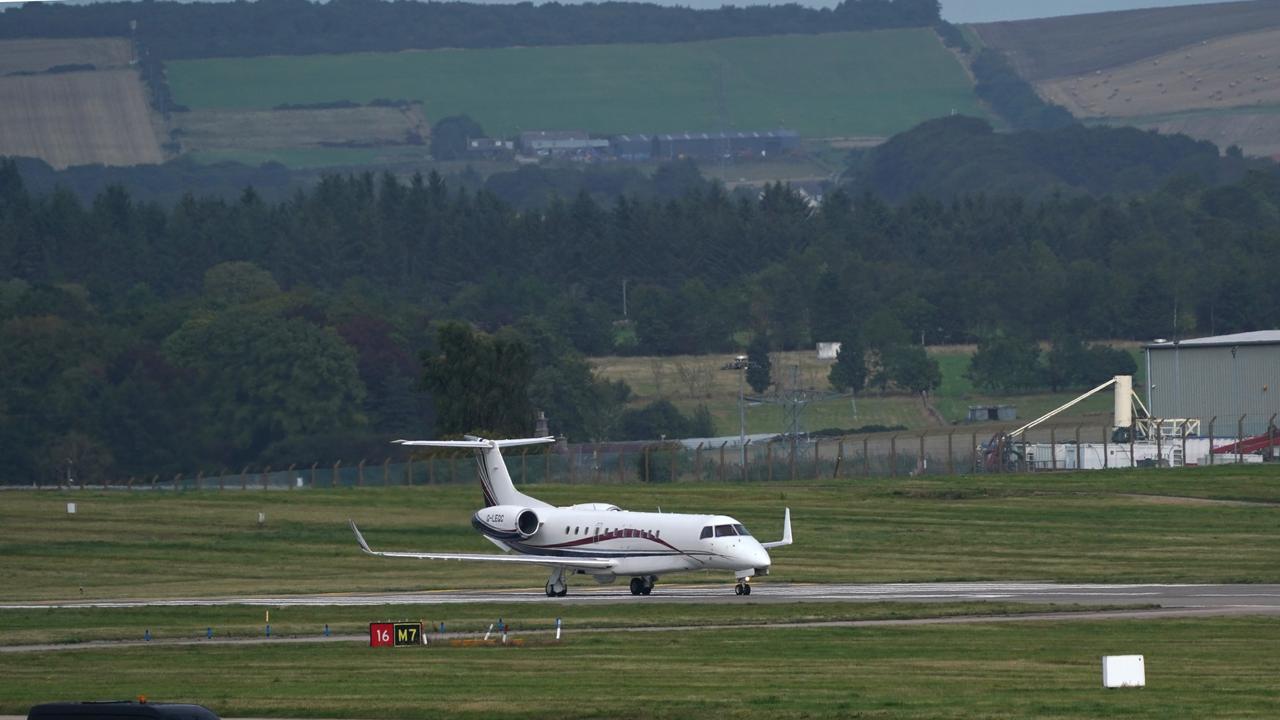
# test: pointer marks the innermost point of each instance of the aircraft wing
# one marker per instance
(549, 561)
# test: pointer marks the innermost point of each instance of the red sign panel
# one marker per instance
(381, 634)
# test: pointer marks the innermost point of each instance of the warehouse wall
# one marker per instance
(1229, 381)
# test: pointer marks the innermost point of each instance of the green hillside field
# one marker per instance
(831, 85)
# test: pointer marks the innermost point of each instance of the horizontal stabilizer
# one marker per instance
(476, 443)
(550, 561)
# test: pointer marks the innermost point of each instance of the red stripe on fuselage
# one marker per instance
(609, 536)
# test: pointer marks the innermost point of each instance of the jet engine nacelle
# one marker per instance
(507, 522)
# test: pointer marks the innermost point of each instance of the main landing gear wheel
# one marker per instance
(742, 589)
(556, 585)
(642, 586)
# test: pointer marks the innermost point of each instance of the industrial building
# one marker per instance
(1225, 377)
(769, 143)
(561, 144)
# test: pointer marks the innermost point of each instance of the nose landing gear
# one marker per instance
(742, 588)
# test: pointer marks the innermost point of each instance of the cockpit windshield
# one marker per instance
(725, 531)
(741, 530)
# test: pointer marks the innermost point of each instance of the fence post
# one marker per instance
(697, 461)
(333, 479)
(1053, 447)
(921, 463)
(726, 442)
(1240, 439)
(1271, 437)
(222, 479)
(768, 458)
(360, 473)
(1212, 420)
(1133, 462)
(951, 458)
(839, 459)
(314, 465)
(1079, 456)
(1183, 432)
(573, 466)
(973, 451)
(817, 458)
(265, 479)
(746, 462)
(1159, 442)
(671, 465)
(289, 480)
(866, 456)
(244, 478)
(1106, 451)
(177, 480)
(645, 478)
(431, 469)
(408, 471)
(453, 470)
(154, 480)
(791, 461)
(386, 472)
(200, 480)
(622, 464)
(893, 456)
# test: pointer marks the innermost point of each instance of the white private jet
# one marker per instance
(596, 539)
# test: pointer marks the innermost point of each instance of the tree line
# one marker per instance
(173, 30)
(148, 338)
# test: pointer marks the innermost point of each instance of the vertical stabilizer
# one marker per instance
(495, 480)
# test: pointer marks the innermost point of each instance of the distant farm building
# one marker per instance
(991, 413)
(1226, 376)
(490, 147)
(726, 145)
(634, 148)
(562, 144)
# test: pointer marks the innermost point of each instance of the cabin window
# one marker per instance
(725, 531)
(706, 532)
(658, 534)
(576, 529)
(741, 530)
(566, 529)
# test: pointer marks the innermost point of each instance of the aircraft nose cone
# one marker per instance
(759, 557)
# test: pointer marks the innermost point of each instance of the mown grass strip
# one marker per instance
(1195, 668)
(1118, 526)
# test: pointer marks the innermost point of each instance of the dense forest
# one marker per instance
(172, 30)
(950, 157)
(139, 337)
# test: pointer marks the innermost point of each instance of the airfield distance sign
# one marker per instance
(394, 634)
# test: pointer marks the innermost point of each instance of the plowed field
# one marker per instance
(78, 118)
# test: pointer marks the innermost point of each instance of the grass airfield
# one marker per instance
(1195, 525)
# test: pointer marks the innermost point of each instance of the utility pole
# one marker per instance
(742, 412)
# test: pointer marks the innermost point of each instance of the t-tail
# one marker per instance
(495, 481)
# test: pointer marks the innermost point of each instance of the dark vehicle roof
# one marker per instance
(120, 709)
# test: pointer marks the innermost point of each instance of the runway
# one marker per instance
(1260, 599)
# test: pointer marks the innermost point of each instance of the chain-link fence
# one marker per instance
(960, 450)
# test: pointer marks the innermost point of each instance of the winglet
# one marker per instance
(786, 533)
(360, 538)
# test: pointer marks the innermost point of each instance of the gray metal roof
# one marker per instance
(1258, 337)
